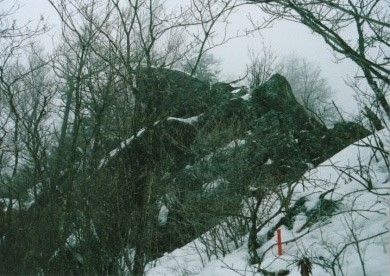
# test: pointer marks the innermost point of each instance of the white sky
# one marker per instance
(284, 37)
(288, 38)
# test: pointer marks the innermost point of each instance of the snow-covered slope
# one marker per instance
(351, 238)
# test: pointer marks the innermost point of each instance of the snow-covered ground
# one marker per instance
(353, 240)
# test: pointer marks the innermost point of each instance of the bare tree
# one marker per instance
(262, 66)
(368, 45)
(14, 42)
(311, 90)
(108, 66)
(309, 86)
(207, 69)
(206, 16)
(24, 105)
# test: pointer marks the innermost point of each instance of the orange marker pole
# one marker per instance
(279, 236)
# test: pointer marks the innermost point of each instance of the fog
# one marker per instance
(284, 37)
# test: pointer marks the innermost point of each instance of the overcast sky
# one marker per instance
(284, 37)
(287, 38)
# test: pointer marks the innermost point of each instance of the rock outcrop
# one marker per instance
(172, 93)
(280, 115)
(257, 139)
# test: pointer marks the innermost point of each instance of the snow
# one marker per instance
(354, 240)
(211, 186)
(72, 240)
(191, 120)
(163, 214)
(189, 259)
(246, 97)
(269, 162)
(235, 143)
(16, 205)
(232, 145)
(31, 195)
(22, 204)
(122, 145)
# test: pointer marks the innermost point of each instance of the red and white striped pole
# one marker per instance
(279, 236)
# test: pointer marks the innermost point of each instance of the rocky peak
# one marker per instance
(276, 94)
